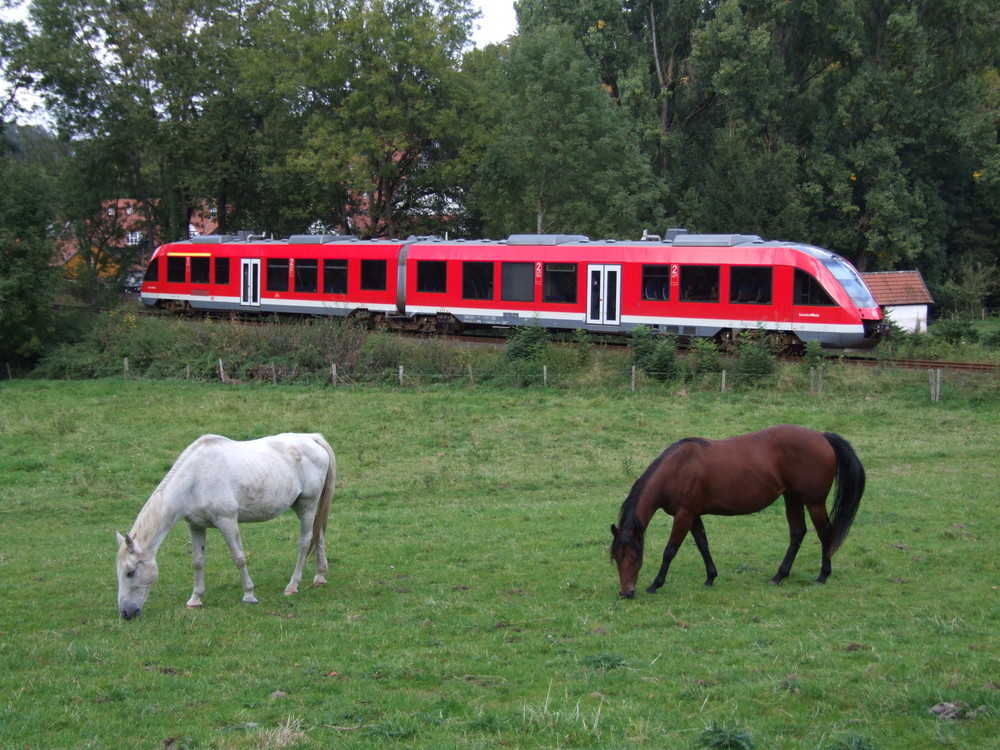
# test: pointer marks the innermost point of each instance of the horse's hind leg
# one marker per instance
(305, 536)
(701, 540)
(230, 531)
(796, 532)
(824, 530)
(682, 524)
(321, 562)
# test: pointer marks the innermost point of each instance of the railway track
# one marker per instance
(926, 364)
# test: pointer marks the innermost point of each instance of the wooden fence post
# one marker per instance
(333, 373)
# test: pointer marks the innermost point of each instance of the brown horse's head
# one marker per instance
(626, 551)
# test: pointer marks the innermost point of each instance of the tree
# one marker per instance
(384, 110)
(28, 282)
(561, 159)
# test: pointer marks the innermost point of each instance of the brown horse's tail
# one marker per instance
(323, 509)
(850, 488)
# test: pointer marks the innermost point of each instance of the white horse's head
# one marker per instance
(137, 572)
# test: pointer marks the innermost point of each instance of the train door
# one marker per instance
(250, 282)
(605, 295)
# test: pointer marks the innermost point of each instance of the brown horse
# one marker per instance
(736, 476)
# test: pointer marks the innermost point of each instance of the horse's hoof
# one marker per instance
(629, 595)
(249, 599)
(289, 590)
(652, 589)
(319, 581)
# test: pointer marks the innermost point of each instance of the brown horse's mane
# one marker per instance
(628, 521)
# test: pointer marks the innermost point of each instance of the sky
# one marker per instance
(498, 22)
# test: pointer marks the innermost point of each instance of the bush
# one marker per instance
(955, 331)
(642, 345)
(528, 343)
(753, 357)
(654, 355)
(704, 356)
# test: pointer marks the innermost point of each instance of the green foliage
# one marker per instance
(539, 172)
(528, 343)
(704, 356)
(28, 282)
(726, 738)
(851, 741)
(813, 354)
(954, 331)
(754, 358)
(654, 355)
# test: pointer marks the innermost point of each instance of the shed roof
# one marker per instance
(898, 288)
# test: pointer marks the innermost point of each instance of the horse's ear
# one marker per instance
(126, 540)
(614, 531)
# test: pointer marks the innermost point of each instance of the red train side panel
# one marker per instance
(691, 285)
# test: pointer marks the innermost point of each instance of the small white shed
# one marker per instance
(904, 297)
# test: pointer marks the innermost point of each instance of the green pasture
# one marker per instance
(471, 601)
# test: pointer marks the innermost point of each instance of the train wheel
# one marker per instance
(178, 307)
(725, 338)
(793, 345)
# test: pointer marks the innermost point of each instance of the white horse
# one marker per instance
(220, 483)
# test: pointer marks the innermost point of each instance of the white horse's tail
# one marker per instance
(323, 509)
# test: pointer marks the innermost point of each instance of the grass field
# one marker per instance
(471, 601)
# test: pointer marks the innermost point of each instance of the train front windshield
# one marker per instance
(852, 283)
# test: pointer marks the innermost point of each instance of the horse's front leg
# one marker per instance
(230, 531)
(198, 561)
(701, 539)
(679, 529)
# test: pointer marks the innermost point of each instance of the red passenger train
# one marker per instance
(686, 284)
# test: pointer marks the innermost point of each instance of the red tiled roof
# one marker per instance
(898, 288)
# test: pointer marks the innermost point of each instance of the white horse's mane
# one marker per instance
(149, 519)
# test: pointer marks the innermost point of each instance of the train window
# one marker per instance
(222, 270)
(200, 269)
(851, 281)
(153, 271)
(373, 275)
(656, 282)
(477, 280)
(277, 275)
(306, 275)
(700, 283)
(431, 275)
(750, 284)
(176, 265)
(559, 283)
(335, 276)
(808, 291)
(517, 282)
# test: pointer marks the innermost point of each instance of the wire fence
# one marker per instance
(809, 381)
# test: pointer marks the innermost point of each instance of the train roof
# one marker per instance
(679, 238)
